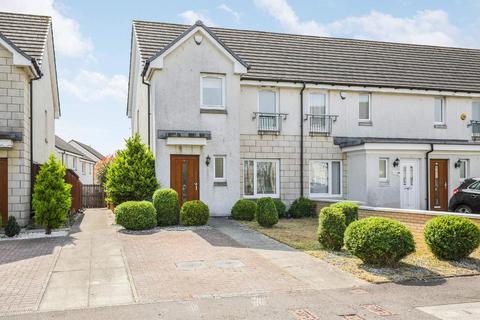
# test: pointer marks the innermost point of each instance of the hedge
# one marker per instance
(349, 209)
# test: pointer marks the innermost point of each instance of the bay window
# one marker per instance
(325, 178)
(261, 178)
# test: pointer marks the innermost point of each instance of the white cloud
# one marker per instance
(226, 8)
(90, 86)
(190, 17)
(281, 10)
(69, 40)
(425, 27)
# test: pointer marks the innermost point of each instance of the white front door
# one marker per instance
(409, 196)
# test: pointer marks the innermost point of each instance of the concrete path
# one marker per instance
(90, 270)
(316, 273)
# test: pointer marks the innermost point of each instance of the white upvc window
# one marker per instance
(261, 178)
(84, 167)
(46, 126)
(463, 168)
(74, 163)
(325, 178)
(212, 91)
(219, 165)
(383, 169)
(267, 101)
(364, 107)
(90, 168)
(439, 111)
(476, 110)
(317, 103)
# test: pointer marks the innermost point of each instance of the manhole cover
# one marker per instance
(378, 310)
(352, 317)
(303, 314)
(190, 265)
(229, 264)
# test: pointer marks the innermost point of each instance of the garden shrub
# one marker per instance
(194, 213)
(136, 215)
(452, 238)
(244, 209)
(12, 228)
(349, 209)
(379, 241)
(281, 208)
(331, 227)
(131, 175)
(266, 213)
(51, 195)
(302, 207)
(165, 202)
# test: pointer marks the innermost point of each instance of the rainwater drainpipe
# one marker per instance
(301, 138)
(31, 136)
(148, 110)
(427, 171)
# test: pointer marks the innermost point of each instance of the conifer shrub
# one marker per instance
(331, 227)
(12, 228)
(165, 202)
(266, 213)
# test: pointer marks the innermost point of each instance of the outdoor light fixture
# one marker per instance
(207, 160)
(343, 95)
(396, 163)
(198, 38)
(458, 163)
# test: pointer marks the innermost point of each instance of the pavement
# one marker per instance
(221, 271)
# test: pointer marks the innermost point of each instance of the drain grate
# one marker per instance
(352, 317)
(303, 314)
(378, 310)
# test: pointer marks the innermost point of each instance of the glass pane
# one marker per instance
(463, 169)
(248, 178)
(411, 176)
(336, 177)
(439, 110)
(219, 168)
(382, 169)
(184, 181)
(318, 104)
(404, 178)
(476, 110)
(266, 101)
(212, 91)
(364, 107)
(319, 177)
(266, 179)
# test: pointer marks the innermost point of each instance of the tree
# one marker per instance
(51, 195)
(131, 176)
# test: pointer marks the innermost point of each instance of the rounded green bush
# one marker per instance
(331, 227)
(452, 238)
(266, 213)
(136, 215)
(165, 202)
(379, 241)
(244, 209)
(349, 209)
(302, 207)
(194, 213)
(281, 208)
(12, 228)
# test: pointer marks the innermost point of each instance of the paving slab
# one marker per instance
(461, 311)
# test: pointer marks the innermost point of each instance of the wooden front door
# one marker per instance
(439, 184)
(184, 177)
(4, 189)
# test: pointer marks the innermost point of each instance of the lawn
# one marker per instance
(302, 235)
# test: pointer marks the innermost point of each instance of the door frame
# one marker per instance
(188, 156)
(4, 211)
(430, 183)
(416, 181)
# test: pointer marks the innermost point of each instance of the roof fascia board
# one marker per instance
(69, 153)
(134, 53)
(157, 62)
(20, 58)
(52, 64)
(388, 146)
(456, 147)
(288, 84)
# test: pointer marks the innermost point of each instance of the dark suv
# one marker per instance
(466, 198)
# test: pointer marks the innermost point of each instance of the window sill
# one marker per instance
(325, 196)
(220, 183)
(213, 111)
(440, 126)
(259, 196)
(365, 123)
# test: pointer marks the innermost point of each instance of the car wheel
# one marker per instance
(463, 209)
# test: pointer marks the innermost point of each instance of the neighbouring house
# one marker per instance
(29, 105)
(91, 153)
(74, 159)
(235, 114)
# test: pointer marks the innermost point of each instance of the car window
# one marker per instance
(475, 185)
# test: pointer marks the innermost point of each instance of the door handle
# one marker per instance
(196, 186)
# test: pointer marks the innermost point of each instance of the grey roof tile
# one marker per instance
(90, 149)
(65, 146)
(297, 58)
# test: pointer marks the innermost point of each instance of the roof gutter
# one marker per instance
(31, 134)
(301, 138)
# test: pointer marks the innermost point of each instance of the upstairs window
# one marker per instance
(439, 113)
(84, 167)
(364, 107)
(213, 91)
(318, 104)
(476, 110)
(74, 163)
(267, 101)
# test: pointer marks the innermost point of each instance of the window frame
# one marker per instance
(275, 91)
(224, 174)
(217, 76)
(74, 163)
(369, 95)
(84, 167)
(467, 169)
(46, 126)
(329, 194)
(309, 105)
(387, 163)
(443, 110)
(475, 101)
(256, 195)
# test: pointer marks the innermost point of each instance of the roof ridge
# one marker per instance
(26, 14)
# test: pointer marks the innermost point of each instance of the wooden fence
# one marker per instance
(93, 196)
(72, 178)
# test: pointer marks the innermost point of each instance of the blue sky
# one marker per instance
(92, 41)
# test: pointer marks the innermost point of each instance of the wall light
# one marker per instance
(396, 163)
(207, 160)
(458, 163)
